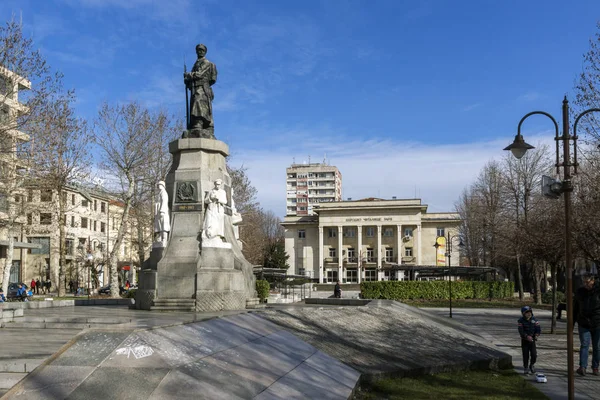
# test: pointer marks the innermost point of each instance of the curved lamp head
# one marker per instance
(519, 147)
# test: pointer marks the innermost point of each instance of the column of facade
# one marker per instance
(359, 255)
(419, 247)
(379, 270)
(340, 255)
(321, 271)
(399, 244)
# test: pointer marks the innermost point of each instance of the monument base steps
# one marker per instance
(186, 305)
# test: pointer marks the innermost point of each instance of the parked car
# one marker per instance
(106, 289)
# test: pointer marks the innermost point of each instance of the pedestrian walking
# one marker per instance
(48, 285)
(37, 286)
(32, 286)
(529, 330)
(337, 290)
(586, 312)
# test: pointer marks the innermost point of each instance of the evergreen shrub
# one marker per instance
(431, 290)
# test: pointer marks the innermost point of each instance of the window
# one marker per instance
(332, 276)
(332, 252)
(301, 234)
(408, 232)
(102, 227)
(69, 247)
(332, 232)
(84, 203)
(84, 223)
(64, 197)
(72, 220)
(389, 254)
(441, 232)
(45, 219)
(408, 252)
(72, 199)
(43, 241)
(349, 232)
(351, 276)
(370, 275)
(370, 231)
(29, 196)
(302, 208)
(95, 225)
(351, 255)
(370, 257)
(388, 232)
(103, 207)
(46, 195)
(95, 206)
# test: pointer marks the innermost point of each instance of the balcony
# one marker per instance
(351, 260)
(370, 260)
(329, 260)
(408, 259)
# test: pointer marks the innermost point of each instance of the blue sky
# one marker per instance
(405, 97)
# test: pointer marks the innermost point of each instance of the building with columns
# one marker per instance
(369, 239)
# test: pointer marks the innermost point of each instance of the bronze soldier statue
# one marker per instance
(199, 81)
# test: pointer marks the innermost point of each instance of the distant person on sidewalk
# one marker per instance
(2, 298)
(32, 285)
(337, 290)
(37, 286)
(586, 313)
(48, 285)
(529, 330)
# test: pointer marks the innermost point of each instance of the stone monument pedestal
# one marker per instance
(203, 275)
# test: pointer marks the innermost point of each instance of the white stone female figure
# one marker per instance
(162, 221)
(214, 215)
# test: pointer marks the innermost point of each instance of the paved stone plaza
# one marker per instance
(380, 338)
(286, 352)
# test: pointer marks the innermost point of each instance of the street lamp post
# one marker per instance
(449, 255)
(518, 149)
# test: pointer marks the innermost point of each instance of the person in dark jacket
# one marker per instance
(337, 290)
(529, 330)
(586, 313)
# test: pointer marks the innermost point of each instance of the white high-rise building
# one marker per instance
(309, 184)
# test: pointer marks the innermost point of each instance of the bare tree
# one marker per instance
(59, 151)
(26, 82)
(126, 135)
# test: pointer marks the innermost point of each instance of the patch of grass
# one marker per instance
(478, 303)
(463, 385)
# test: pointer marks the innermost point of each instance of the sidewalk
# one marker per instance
(499, 326)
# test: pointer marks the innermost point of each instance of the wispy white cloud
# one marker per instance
(381, 168)
(471, 107)
(530, 96)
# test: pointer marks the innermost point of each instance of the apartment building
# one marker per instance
(11, 138)
(91, 223)
(368, 239)
(309, 184)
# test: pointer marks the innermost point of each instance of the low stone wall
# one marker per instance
(9, 315)
(104, 302)
(13, 305)
(338, 302)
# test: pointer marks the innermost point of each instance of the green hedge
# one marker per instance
(262, 289)
(404, 290)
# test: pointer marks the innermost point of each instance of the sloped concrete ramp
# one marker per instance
(237, 357)
(296, 352)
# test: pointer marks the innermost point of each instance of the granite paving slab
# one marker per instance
(91, 348)
(50, 382)
(179, 385)
(119, 383)
(305, 382)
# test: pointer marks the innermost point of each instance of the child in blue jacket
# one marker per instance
(529, 330)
